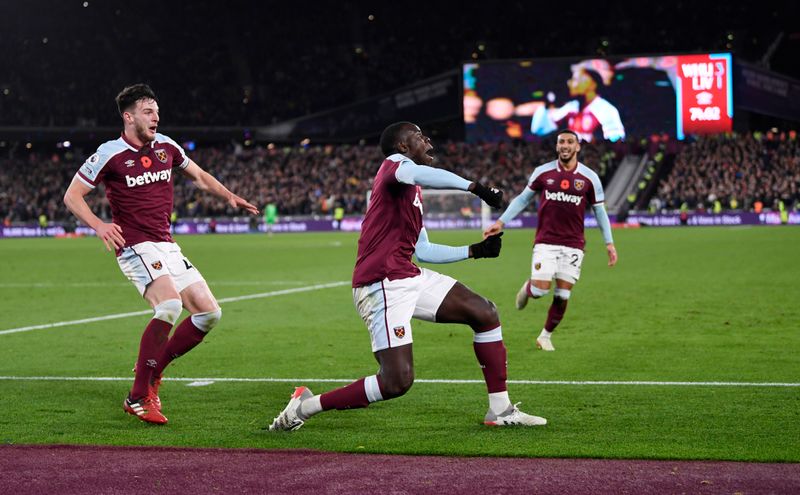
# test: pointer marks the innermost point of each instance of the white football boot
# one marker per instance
(513, 417)
(289, 418)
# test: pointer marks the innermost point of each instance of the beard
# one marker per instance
(142, 132)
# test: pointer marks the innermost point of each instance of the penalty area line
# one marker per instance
(431, 381)
(117, 316)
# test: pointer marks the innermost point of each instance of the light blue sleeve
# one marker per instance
(421, 175)
(428, 252)
(517, 204)
(603, 222)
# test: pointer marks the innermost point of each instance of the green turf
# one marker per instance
(692, 304)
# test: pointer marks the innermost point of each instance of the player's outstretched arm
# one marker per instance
(490, 195)
(605, 227)
(206, 182)
(74, 199)
(514, 208)
(488, 247)
(436, 178)
(429, 252)
(494, 229)
(612, 254)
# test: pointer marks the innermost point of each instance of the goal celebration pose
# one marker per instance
(389, 290)
(137, 171)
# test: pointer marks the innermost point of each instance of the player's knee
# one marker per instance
(484, 315)
(562, 294)
(536, 292)
(208, 320)
(397, 383)
(168, 310)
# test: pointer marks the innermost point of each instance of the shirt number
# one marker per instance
(418, 203)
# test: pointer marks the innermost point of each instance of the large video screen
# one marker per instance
(601, 98)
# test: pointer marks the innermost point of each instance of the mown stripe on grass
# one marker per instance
(260, 295)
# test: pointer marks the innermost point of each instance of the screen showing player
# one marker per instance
(602, 98)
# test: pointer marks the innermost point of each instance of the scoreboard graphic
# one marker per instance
(704, 94)
(600, 98)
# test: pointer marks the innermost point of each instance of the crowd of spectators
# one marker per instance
(738, 171)
(244, 63)
(300, 180)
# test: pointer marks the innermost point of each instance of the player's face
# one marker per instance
(580, 83)
(145, 119)
(567, 147)
(418, 146)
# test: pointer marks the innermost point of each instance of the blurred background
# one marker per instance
(284, 102)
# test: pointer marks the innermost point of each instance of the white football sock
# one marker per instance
(545, 334)
(499, 402)
(310, 407)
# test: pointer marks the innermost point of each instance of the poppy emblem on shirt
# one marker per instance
(400, 332)
(579, 183)
(161, 155)
(565, 184)
(537, 266)
(146, 162)
(156, 265)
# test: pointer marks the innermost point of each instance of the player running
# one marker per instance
(566, 185)
(389, 290)
(136, 170)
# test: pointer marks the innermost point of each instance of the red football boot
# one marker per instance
(144, 409)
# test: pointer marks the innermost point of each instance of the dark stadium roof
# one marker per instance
(248, 62)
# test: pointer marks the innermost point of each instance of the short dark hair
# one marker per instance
(596, 77)
(128, 97)
(568, 131)
(391, 135)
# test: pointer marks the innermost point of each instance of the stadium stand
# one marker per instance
(66, 72)
(302, 180)
(226, 66)
(310, 180)
(736, 170)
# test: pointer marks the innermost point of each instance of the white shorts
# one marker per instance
(561, 262)
(144, 262)
(388, 306)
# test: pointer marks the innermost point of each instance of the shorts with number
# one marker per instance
(144, 262)
(388, 306)
(561, 262)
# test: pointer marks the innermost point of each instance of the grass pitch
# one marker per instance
(683, 305)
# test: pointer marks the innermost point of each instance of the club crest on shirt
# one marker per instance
(161, 155)
(537, 266)
(579, 183)
(400, 331)
(156, 265)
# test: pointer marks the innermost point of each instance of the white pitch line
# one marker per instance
(59, 285)
(435, 381)
(149, 311)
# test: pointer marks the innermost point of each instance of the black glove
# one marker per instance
(487, 248)
(492, 196)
